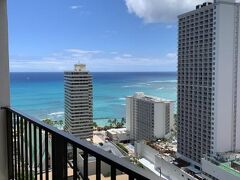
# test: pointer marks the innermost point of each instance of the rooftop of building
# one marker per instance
(169, 156)
(78, 68)
(229, 162)
(228, 167)
(167, 151)
(166, 148)
(203, 5)
(118, 131)
(198, 8)
(154, 99)
(110, 147)
(152, 168)
(206, 5)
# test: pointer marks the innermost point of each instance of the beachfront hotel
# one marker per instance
(148, 117)
(208, 82)
(78, 102)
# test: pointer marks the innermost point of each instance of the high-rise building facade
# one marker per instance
(78, 102)
(209, 80)
(148, 118)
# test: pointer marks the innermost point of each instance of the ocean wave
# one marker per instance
(123, 104)
(122, 99)
(131, 86)
(147, 84)
(56, 114)
(164, 81)
(137, 85)
(160, 88)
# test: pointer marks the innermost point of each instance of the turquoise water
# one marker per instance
(42, 94)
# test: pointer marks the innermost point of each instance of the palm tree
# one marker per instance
(114, 122)
(123, 121)
(119, 125)
(60, 123)
(110, 122)
(95, 125)
(49, 122)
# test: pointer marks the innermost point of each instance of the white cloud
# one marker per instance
(75, 7)
(169, 26)
(80, 51)
(95, 60)
(114, 52)
(153, 11)
(171, 56)
(127, 55)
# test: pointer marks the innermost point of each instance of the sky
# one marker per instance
(106, 35)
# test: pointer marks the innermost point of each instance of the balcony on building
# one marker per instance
(30, 149)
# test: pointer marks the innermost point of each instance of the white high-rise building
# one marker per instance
(209, 80)
(148, 117)
(78, 102)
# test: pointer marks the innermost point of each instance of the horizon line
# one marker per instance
(96, 71)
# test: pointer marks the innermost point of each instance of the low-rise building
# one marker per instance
(224, 166)
(160, 158)
(164, 163)
(118, 135)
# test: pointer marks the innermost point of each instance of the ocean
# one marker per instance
(42, 94)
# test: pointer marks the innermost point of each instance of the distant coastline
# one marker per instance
(105, 72)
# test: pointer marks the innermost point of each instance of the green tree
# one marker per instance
(95, 125)
(49, 122)
(114, 122)
(60, 122)
(123, 121)
(119, 125)
(122, 147)
(110, 122)
(54, 123)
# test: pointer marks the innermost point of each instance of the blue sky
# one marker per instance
(107, 35)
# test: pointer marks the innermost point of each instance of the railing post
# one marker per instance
(59, 158)
(10, 144)
(4, 88)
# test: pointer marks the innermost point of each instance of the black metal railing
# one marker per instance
(39, 151)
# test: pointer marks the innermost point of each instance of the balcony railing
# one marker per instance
(39, 151)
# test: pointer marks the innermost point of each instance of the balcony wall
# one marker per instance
(4, 87)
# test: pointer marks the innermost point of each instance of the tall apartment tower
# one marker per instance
(209, 81)
(148, 117)
(78, 102)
